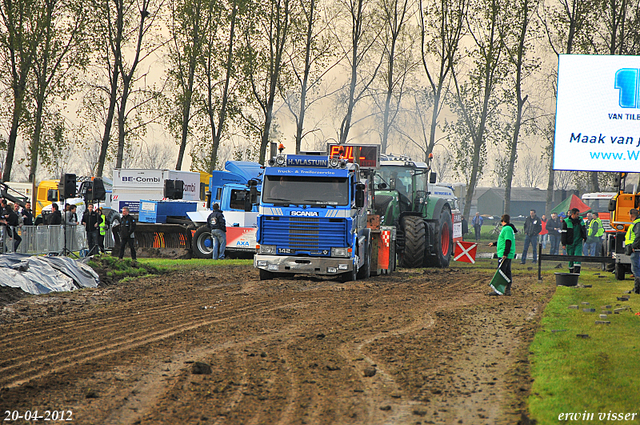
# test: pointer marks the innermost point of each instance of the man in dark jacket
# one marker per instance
(574, 233)
(56, 216)
(91, 220)
(554, 227)
(127, 233)
(10, 219)
(532, 228)
(216, 223)
(27, 214)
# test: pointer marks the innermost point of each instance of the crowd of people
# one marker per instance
(13, 217)
(578, 236)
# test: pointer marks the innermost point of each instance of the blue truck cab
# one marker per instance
(236, 190)
(312, 219)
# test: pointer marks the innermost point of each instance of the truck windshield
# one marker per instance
(305, 190)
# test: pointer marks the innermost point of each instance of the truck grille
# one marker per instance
(304, 233)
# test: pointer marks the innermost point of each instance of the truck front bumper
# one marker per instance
(305, 265)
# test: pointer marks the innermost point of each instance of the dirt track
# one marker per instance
(287, 351)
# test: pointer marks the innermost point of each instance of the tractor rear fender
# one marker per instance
(435, 206)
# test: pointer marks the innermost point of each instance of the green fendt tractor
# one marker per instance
(424, 223)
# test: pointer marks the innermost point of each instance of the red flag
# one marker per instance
(466, 252)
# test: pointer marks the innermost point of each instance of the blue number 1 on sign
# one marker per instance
(627, 83)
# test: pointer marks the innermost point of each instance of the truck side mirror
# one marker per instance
(359, 195)
(612, 204)
(432, 177)
(253, 195)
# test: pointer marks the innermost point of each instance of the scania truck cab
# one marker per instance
(313, 219)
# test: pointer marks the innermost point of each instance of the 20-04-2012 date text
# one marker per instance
(34, 415)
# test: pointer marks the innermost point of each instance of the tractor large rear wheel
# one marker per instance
(415, 238)
(443, 241)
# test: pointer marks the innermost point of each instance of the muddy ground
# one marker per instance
(218, 346)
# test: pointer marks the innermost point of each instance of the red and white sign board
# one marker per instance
(465, 252)
(384, 249)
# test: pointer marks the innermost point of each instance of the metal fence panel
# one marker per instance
(44, 239)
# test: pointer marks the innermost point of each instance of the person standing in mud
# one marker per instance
(574, 233)
(218, 227)
(127, 233)
(506, 249)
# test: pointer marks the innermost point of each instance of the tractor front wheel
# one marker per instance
(415, 238)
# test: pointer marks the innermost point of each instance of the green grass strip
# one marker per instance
(590, 378)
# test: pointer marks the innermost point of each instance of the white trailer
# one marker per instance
(132, 185)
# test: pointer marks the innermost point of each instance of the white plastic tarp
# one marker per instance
(41, 275)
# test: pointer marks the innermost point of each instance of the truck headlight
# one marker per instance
(339, 252)
(267, 249)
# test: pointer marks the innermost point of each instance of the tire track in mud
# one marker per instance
(41, 370)
(380, 388)
(94, 337)
(81, 322)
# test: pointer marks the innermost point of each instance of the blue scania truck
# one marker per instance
(313, 219)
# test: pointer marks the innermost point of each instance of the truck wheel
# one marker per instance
(201, 243)
(619, 271)
(349, 276)
(265, 275)
(415, 238)
(443, 241)
(365, 270)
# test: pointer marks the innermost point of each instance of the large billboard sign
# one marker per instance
(598, 113)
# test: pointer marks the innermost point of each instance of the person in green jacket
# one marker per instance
(574, 233)
(506, 249)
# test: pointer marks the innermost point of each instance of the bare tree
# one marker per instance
(441, 29)
(218, 108)
(189, 24)
(519, 55)
(531, 170)
(567, 24)
(123, 25)
(362, 38)
(22, 28)
(61, 55)
(398, 61)
(476, 100)
(263, 67)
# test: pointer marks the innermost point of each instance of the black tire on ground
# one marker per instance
(365, 270)
(198, 243)
(349, 276)
(443, 241)
(619, 271)
(415, 238)
(265, 275)
(602, 253)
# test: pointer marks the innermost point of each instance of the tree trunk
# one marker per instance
(356, 33)
(217, 135)
(106, 136)
(305, 78)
